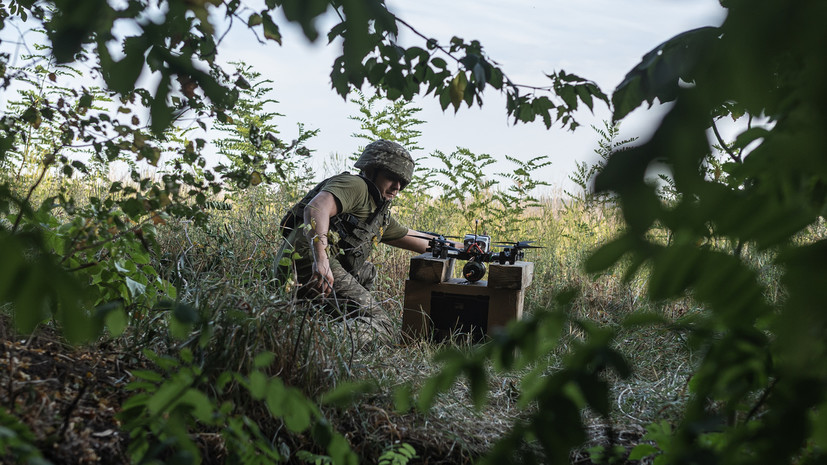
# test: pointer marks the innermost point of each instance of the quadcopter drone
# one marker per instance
(476, 249)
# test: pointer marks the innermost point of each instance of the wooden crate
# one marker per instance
(437, 305)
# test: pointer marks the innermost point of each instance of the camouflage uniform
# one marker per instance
(364, 220)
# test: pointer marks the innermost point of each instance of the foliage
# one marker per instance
(396, 122)
(399, 454)
(465, 184)
(764, 366)
(584, 172)
(16, 441)
(375, 57)
(104, 239)
(170, 402)
(519, 198)
(250, 143)
(559, 394)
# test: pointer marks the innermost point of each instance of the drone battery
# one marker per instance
(484, 242)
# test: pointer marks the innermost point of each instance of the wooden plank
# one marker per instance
(504, 305)
(516, 276)
(417, 309)
(426, 268)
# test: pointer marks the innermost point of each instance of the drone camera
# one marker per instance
(483, 242)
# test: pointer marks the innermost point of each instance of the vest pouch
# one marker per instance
(356, 248)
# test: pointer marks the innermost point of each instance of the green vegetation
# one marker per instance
(678, 320)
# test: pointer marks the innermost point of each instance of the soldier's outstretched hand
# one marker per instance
(322, 279)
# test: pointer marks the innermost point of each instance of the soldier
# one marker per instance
(335, 226)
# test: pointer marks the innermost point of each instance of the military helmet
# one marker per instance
(390, 156)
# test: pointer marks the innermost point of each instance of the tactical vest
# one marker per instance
(356, 237)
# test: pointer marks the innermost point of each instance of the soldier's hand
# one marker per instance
(322, 279)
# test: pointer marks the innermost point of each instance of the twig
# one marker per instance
(736, 157)
(11, 378)
(67, 414)
(46, 164)
(762, 400)
(448, 52)
(81, 267)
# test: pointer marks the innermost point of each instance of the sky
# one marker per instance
(600, 40)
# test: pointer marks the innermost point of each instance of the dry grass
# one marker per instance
(235, 255)
(224, 271)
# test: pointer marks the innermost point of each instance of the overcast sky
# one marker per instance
(599, 40)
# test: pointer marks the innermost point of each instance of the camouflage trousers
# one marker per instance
(351, 300)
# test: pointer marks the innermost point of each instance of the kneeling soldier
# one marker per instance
(335, 226)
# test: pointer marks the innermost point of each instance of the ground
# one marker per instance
(68, 397)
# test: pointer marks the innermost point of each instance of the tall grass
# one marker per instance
(224, 272)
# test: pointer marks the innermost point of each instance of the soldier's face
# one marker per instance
(388, 183)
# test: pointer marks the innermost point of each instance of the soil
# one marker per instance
(67, 396)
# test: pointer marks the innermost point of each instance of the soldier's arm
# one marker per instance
(411, 241)
(317, 214)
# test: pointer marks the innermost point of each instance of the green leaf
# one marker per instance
(185, 313)
(255, 178)
(116, 321)
(167, 396)
(202, 406)
(297, 412)
(641, 451)
(258, 385)
(276, 397)
(264, 359)
(347, 394)
(85, 100)
(569, 95)
(609, 254)
(32, 116)
(644, 319)
(148, 375)
(585, 96)
(136, 289)
(271, 30)
(457, 89)
(403, 398)
(657, 75)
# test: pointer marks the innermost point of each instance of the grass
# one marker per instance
(231, 258)
(223, 271)
(228, 265)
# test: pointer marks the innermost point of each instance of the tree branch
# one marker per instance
(736, 157)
